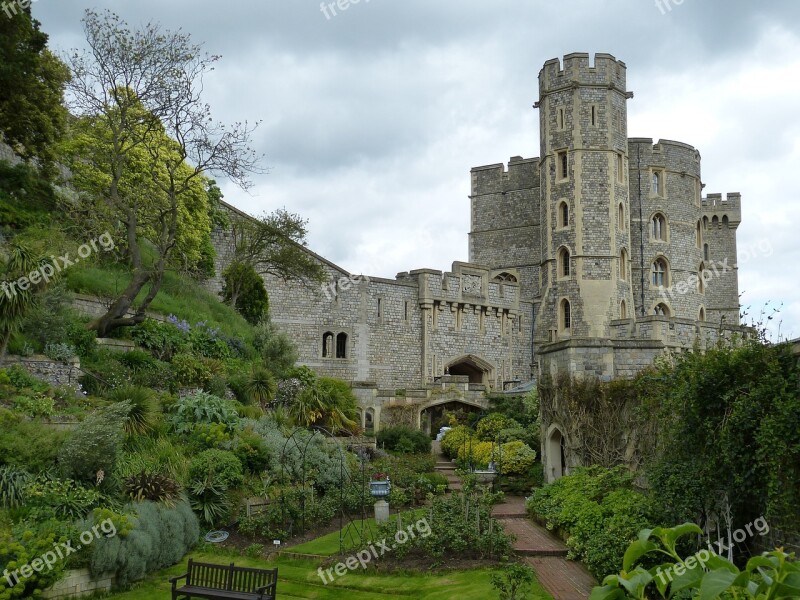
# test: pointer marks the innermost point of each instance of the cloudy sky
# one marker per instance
(373, 116)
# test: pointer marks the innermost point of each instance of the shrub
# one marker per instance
(454, 440)
(164, 340)
(260, 387)
(514, 583)
(514, 458)
(154, 455)
(207, 342)
(61, 352)
(30, 445)
(21, 379)
(152, 487)
(599, 512)
(13, 482)
(161, 537)
(143, 410)
(220, 466)
(251, 451)
(209, 435)
(37, 405)
(478, 454)
(94, 444)
(404, 440)
(21, 545)
(59, 498)
(202, 407)
(276, 349)
(252, 301)
(190, 370)
(490, 426)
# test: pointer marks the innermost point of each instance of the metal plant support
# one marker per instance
(354, 530)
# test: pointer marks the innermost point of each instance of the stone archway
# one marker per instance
(555, 454)
(431, 414)
(474, 367)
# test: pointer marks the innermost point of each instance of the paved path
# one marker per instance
(544, 552)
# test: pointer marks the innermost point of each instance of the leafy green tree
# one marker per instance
(277, 351)
(139, 93)
(32, 79)
(244, 289)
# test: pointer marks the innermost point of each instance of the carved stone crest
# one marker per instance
(471, 284)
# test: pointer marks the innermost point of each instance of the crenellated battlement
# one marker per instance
(671, 155)
(730, 206)
(579, 69)
(520, 173)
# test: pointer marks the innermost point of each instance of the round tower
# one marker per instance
(585, 208)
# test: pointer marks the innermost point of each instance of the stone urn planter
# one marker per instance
(485, 477)
(380, 488)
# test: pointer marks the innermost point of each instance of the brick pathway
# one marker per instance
(544, 552)
(562, 578)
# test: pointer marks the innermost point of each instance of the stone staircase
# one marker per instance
(447, 468)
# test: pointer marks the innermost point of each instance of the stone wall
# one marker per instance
(92, 306)
(50, 371)
(79, 583)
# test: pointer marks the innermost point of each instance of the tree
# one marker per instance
(273, 244)
(141, 94)
(251, 299)
(32, 114)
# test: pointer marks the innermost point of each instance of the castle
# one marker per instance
(594, 259)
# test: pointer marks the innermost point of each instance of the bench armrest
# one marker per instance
(174, 580)
(263, 590)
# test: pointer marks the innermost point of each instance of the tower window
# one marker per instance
(405, 310)
(620, 168)
(560, 123)
(698, 235)
(563, 165)
(623, 265)
(380, 309)
(659, 227)
(701, 316)
(593, 116)
(621, 216)
(327, 345)
(706, 252)
(657, 183)
(341, 345)
(566, 315)
(701, 282)
(623, 310)
(563, 263)
(563, 215)
(661, 310)
(660, 274)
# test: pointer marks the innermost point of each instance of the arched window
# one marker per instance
(623, 265)
(715, 221)
(724, 220)
(706, 252)
(621, 216)
(659, 227)
(341, 345)
(563, 263)
(656, 183)
(563, 215)
(698, 235)
(660, 275)
(327, 345)
(661, 310)
(566, 315)
(623, 310)
(701, 316)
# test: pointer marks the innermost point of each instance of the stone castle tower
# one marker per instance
(619, 253)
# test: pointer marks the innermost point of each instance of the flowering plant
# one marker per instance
(379, 476)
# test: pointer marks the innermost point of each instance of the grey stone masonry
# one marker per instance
(594, 258)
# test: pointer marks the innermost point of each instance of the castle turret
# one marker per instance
(585, 208)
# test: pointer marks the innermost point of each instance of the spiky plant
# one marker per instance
(153, 487)
(261, 386)
(144, 409)
(12, 486)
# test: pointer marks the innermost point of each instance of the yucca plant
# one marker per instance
(209, 501)
(261, 387)
(152, 487)
(144, 409)
(12, 486)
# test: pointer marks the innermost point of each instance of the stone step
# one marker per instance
(538, 552)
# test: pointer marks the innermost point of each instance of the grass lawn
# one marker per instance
(299, 579)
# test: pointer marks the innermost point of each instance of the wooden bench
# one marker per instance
(205, 580)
